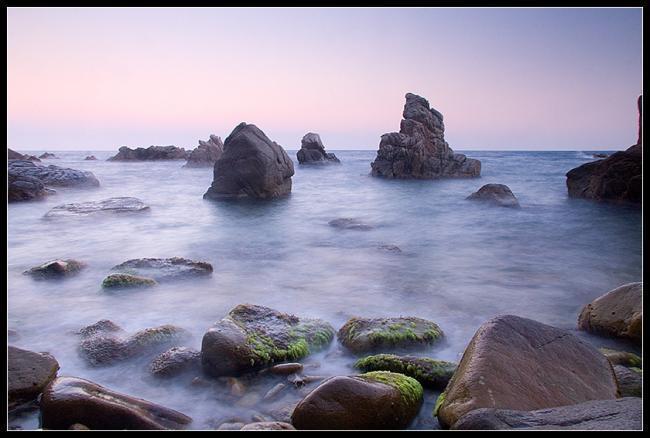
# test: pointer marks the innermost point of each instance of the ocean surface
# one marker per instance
(461, 262)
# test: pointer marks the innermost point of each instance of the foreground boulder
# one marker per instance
(25, 188)
(251, 166)
(56, 269)
(175, 361)
(69, 400)
(377, 400)
(27, 375)
(13, 155)
(174, 268)
(368, 334)
(429, 372)
(312, 151)
(618, 313)
(152, 153)
(111, 205)
(496, 194)
(252, 337)
(419, 150)
(53, 175)
(517, 363)
(206, 153)
(619, 414)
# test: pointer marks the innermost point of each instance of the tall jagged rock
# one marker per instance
(206, 153)
(312, 151)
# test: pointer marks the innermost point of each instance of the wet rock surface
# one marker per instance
(118, 205)
(28, 373)
(629, 381)
(25, 188)
(429, 372)
(621, 358)
(175, 361)
(495, 194)
(206, 153)
(165, 269)
(312, 151)
(53, 175)
(151, 153)
(123, 281)
(56, 269)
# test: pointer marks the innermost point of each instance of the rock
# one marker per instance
(390, 248)
(78, 426)
(235, 386)
(206, 154)
(152, 153)
(90, 158)
(25, 188)
(429, 372)
(312, 151)
(252, 337)
(517, 363)
(346, 223)
(600, 155)
(618, 313)
(231, 426)
(284, 369)
(120, 281)
(27, 375)
(274, 392)
(619, 414)
(52, 175)
(621, 357)
(419, 150)
(174, 268)
(497, 194)
(378, 400)
(629, 381)
(56, 269)
(251, 166)
(12, 335)
(268, 425)
(69, 400)
(47, 155)
(175, 361)
(365, 334)
(111, 205)
(13, 155)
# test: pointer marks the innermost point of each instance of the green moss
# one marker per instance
(127, 280)
(439, 401)
(410, 389)
(621, 357)
(638, 370)
(429, 372)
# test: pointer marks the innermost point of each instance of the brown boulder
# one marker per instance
(27, 374)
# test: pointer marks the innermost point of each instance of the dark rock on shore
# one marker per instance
(120, 281)
(111, 205)
(497, 194)
(346, 223)
(173, 268)
(429, 372)
(312, 151)
(251, 166)
(56, 269)
(13, 155)
(53, 175)
(25, 188)
(28, 373)
(70, 400)
(629, 381)
(175, 361)
(206, 153)
(90, 158)
(619, 414)
(252, 337)
(419, 150)
(517, 363)
(151, 153)
(47, 155)
(365, 334)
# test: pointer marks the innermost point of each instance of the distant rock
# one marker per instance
(27, 374)
(53, 175)
(90, 158)
(122, 281)
(346, 223)
(151, 153)
(419, 150)
(175, 361)
(497, 194)
(173, 268)
(206, 153)
(56, 269)
(429, 372)
(47, 155)
(251, 166)
(13, 155)
(312, 151)
(118, 205)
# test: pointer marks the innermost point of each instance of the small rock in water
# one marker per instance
(175, 361)
(345, 223)
(111, 205)
(284, 369)
(390, 248)
(120, 281)
(56, 269)
(497, 194)
(312, 151)
(90, 158)
(274, 392)
(173, 268)
(47, 155)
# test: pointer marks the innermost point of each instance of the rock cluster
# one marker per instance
(312, 151)
(206, 153)
(150, 154)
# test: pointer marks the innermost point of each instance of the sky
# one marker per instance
(504, 79)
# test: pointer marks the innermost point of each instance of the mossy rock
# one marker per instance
(624, 358)
(161, 270)
(119, 281)
(409, 388)
(365, 334)
(429, 372)
(56, 269)
(252, 337)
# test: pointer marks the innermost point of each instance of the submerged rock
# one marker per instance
(110, 205)
(70, 400)
(621, 357)
(119, 281)
(173, 268)
(53, 175)
(346, 223)
(13, 155)
(251, 166)
(47, 155)
(517, 363)
(497, 194)
(28, 373)
(618, 313)
(151, 153)
(377, 400)
(56, 269)
(312, 151)
(175, 361)
(419, 150)
(629, 381)
(206, 153)
(252, 337)
(365, 334)
(429, 372)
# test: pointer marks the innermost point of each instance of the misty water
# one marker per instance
(461, 263)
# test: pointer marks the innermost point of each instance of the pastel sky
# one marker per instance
(100, 78)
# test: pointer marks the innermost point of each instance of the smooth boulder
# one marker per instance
(429, 372)
(53, 175)
(206, 153)
(118, 205)
(28, 373)
(495, 194)
(56, 269)
(175, 361)
(173, 268)
(152, 153)
(312, 151)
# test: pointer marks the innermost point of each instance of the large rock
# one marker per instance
(252, 337)
(429, 372)
(151, 153)
(517, 363)
(53, 175)
(56, 269)
(13, 155)
(69, 400)
(619, 414)
(419, 149)
(377, 400)
(312, 151)
(617, 178)
(173, 268)
(111, 205)
(27, 374)
(617, 313)
(369, 334)
(497, 194)
(251, 166)
(25, 188)
(206, 153)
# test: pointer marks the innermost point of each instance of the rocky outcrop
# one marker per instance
(152, 153)
(23, 174)
(27, 375)
(123, 281)
(496, 194)
(368, 334)
(619, 414)
(617, 178)
(25, 188)
(175, 361)
(69, 400)
(377, 400)
(517, 363)
(618, 313)
(47, 155)
(419, 149)
(13, 155)
(107, 206)
(252, 337)
(251, 166)
(312, 151)
(429, 372)
(174, 268)
(206, 153)
(56, 269)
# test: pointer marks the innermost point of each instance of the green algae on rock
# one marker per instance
(409, 388)
(366, 334)
(115, 281)
(624, 358)
(429, 372)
